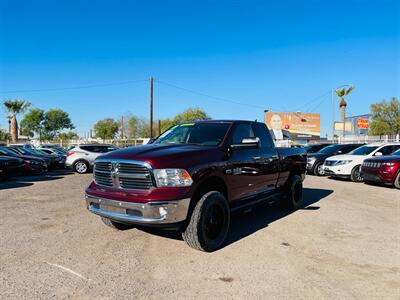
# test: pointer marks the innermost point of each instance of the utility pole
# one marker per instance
(122, 127)
(159, 127)
(151, 107)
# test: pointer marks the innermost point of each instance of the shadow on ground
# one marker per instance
(245, 223)
(23, 181)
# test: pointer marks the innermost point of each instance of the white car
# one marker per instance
(81, 157)
(348, 165)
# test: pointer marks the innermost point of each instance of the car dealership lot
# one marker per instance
(344, 244)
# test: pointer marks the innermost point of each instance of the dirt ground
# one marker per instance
(345, 244)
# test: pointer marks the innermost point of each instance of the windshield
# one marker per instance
(206, 134)
(396, 152)
(330, 149)
(363, 150)
(7, 152)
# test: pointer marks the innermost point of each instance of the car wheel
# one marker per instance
(397, 181)
(356, 174)
(81, 167)
(116, 225)
(209, 223)
(293, 194)
(319, 169)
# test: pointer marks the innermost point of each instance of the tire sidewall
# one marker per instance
(397, 180)
(353, 176)
(316, 173)
(81, 161)
(292, 200)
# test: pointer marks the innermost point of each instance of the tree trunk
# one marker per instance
(14, 129)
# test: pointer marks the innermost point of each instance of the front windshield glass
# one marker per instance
(396, 152)
(330, 149)
(363, 150)
(206, 134)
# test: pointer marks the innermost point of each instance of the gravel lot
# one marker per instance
(344, 244)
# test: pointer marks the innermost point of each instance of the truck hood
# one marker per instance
(166, 155)
(384, 158)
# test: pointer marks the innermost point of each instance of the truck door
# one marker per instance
(267, 160)
(242, 170)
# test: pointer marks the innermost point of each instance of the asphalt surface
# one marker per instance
(344, 244)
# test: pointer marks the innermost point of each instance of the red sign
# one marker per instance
(362, 123)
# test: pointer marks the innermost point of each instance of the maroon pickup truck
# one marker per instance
(192, 176)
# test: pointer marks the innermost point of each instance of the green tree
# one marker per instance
(190, 114)
(32, 123)
(15, 107)
(106, 128)
(66, 136)
(137, 127)
(56, 120)
(4, 136)
(385, 117)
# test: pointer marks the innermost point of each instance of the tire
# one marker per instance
(81, 167)
(293, 195)
(209, 223)
(318, 169)
(116, 225)
(356, 174)
(397, 181)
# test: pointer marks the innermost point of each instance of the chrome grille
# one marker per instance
(123, 175)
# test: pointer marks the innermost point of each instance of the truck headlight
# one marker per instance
(343, 162)
(311, 160)
(172, 177)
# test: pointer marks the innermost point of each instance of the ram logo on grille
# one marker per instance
(123, 175)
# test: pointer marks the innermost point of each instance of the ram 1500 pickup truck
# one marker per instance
(193, 176)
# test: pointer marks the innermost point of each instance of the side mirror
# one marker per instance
(247, 143)
(378, 153)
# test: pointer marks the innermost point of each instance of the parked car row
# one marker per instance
(379, 163)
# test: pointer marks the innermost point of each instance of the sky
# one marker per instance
(232, 58)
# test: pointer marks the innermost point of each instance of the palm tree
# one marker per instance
(15, 107)
(342, 94)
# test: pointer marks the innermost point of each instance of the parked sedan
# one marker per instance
(315, 161)
(31, 164)
(50, 160)
(60, 157)
(10, 166)
(383, 169)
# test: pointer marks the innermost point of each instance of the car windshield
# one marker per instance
(7, 152)
(396, 152)
(330, 149)
(206, 134)
(363, 150)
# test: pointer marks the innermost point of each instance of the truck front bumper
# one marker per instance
(160, 212)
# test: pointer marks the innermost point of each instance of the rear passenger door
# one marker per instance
(267, 160)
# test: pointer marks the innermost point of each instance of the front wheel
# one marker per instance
(319, 169)
(397, 181)
(209, 223)
(355, 175)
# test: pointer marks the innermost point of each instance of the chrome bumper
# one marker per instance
(161, 212)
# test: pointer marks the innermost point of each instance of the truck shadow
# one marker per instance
(247, 222)
(27, 180)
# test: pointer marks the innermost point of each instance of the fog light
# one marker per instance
(163, 211)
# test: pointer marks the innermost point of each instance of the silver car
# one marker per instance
(81, 157)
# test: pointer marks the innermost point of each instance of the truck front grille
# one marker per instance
(123, 175)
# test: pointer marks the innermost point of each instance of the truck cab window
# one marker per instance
(241, 132)
(261, 131)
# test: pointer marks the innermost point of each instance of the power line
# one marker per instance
(312, 100)
(74, 87)
(207, 95)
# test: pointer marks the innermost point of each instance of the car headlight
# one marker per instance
(389, 164)
(311, 160)
(172, 177)
(343, 162)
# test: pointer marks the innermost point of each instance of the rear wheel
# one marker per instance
(116, 225)
(319, 169)
(81, 167)
(356, 174)
(397, 181)
(293, 194)
(209, 223)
